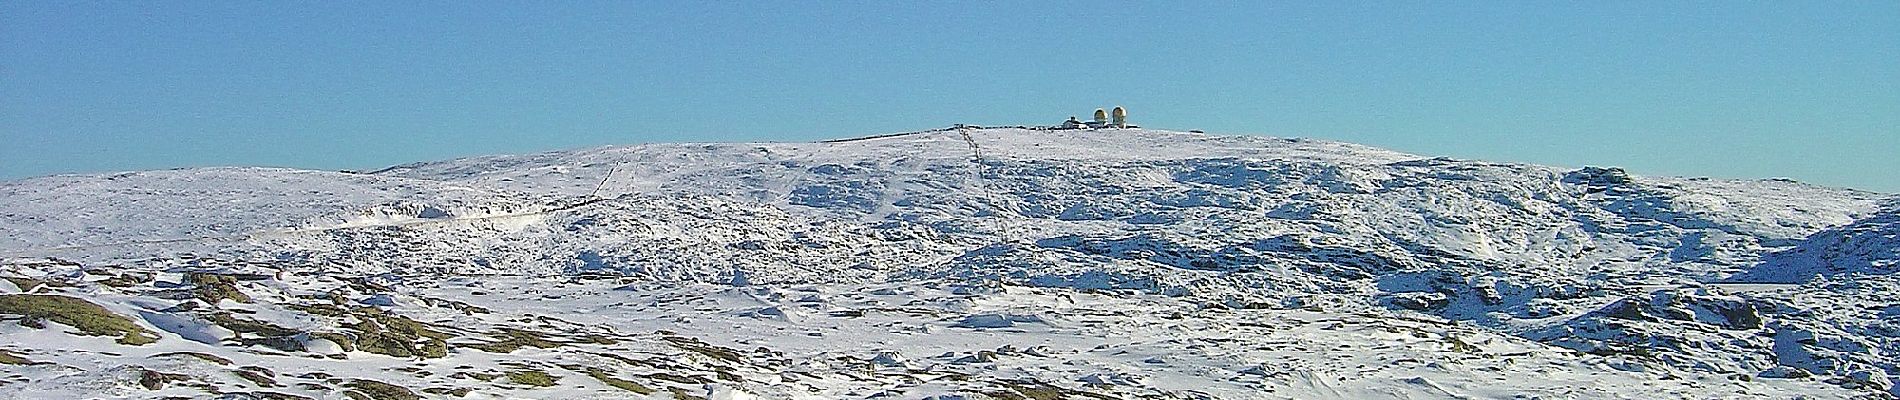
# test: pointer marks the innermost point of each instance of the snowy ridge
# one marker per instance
(1868, 246)
(69, 210)
(1081, 263)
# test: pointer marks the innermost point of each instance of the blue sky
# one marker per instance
(1802, 89)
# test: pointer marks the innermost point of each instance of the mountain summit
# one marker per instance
(953, 263)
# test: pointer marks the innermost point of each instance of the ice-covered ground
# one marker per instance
(984, 263)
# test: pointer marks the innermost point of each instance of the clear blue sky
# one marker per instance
(1755, 89)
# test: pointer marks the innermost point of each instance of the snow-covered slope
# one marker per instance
(966, 262)
(1868, 246)
(83, 210)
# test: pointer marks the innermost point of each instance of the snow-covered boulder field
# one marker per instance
(947, 264)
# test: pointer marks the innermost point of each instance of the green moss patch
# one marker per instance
(9, 358)
(1041, 391)
(1461, 346)
(608, 378)
(682, 395)
(319, 309)
(373, 390)
(515, 339)
(127, 279)
(400, 324)
(375, 331)
(371, 338)
(1038, 392)
(25, 284)
(90, 319)
(684, 379)
(212, 287)
(241, 325)
(532, 378)
(476, 376)
(465, 308)
(393, 335)
(696, 346)
(457, 392)
(598, 339)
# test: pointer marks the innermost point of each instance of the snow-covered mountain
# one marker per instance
(955, 263)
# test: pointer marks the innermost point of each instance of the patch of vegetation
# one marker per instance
(8, 358)
(690, 380)
(26, 284)
(605, 377)
(1637, 351)
(696, 346)
(457, 392)
(397, 336)
(320, 309)
(400, 324)
(413, 370)
(1034, 390)
(598, 339)
(393, 346)
(202, 356)
(373, 390)
(1004, 395)
(212, 287)
(476, 376)
(1459, 345)
(434, 348)
(241, 325)
(1042, 391)
(465, 308)
(682, 395)
(515, 339)
(90, 319)
(271, 396)
(952, 376)
(127, 279)
(1039, 393)
(624, 359)
(532, 378)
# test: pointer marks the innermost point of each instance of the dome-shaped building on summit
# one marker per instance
(1103, 118)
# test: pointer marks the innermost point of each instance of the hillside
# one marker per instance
(982, 263)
